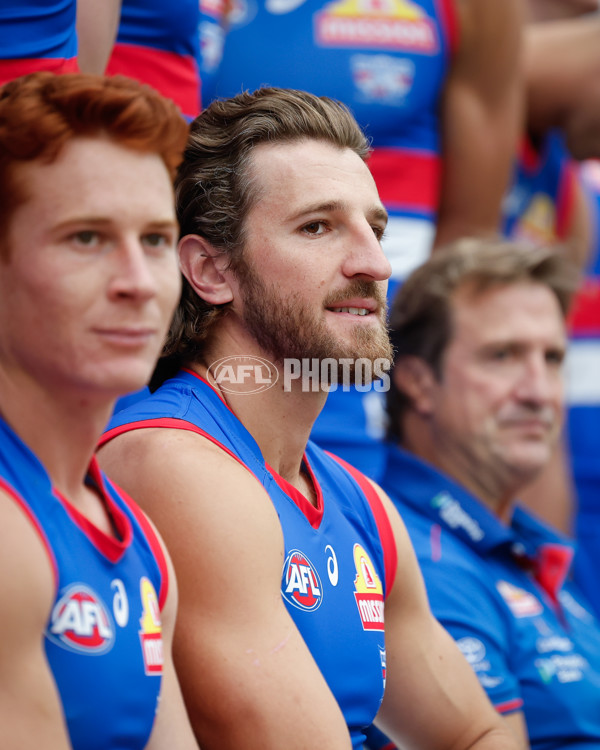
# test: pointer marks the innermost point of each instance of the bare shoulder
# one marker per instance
(188, 484)
(30, 712)
(23, 550)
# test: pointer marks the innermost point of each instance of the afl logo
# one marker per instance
(80, 622)
(244, 374)
(301, 585)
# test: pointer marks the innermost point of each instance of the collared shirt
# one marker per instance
(504, 594)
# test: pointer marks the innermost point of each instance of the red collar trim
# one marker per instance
(313, 514)
(108, 545)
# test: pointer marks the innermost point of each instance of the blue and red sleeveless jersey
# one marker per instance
(103, 637)
(158, 43)
(388, 61)
(37, 35)
(340, 556)
(538, 206)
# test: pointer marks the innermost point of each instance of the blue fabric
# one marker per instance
(524, 647)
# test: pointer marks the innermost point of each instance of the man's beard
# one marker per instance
(287, 328)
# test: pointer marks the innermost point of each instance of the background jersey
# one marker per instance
(335, 576)
(504, 595)
(158, 43)
(539, 203)
(583, 397)
(103, 637)
(37, 35)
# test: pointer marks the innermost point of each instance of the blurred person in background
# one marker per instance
(60, 36)
(476, 406)
(158, 43)
(554, 198)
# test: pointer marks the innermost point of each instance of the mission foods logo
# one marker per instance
(376, 24)
(301, 585)
(150, 629)
(81, 622)
(368, 591)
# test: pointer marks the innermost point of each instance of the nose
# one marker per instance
(132, 276)
(365, 257)
(540, 382)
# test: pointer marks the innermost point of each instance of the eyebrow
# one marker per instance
(100, 221)
(376, 213)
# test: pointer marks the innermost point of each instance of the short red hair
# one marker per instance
(41, 112)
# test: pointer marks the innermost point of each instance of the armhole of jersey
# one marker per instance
(36, 525)
(565, 200)
(153, 541)
(390, 553)
(508, 707)
(450, 23)
(175, 424)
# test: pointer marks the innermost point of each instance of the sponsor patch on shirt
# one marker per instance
(80, 621)
(150, 629)
(368, 591)
(520, 602)
(382, 78)
(376, 24)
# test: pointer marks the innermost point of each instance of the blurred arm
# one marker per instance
(97, 25)
(481, 118)
(31, 713)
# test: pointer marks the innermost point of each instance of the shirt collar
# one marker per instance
(443, 500)
(530, 542)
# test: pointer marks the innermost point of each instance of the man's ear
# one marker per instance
(203, 266)
(414, 377)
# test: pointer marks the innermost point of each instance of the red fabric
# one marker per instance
(10, 69)
(407, 179)
(174, 76)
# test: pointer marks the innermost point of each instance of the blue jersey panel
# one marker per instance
(38, 29)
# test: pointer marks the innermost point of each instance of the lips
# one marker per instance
(127, 336)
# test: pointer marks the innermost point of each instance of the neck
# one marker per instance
(61, 429)
(280, 418)
(493, 489)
